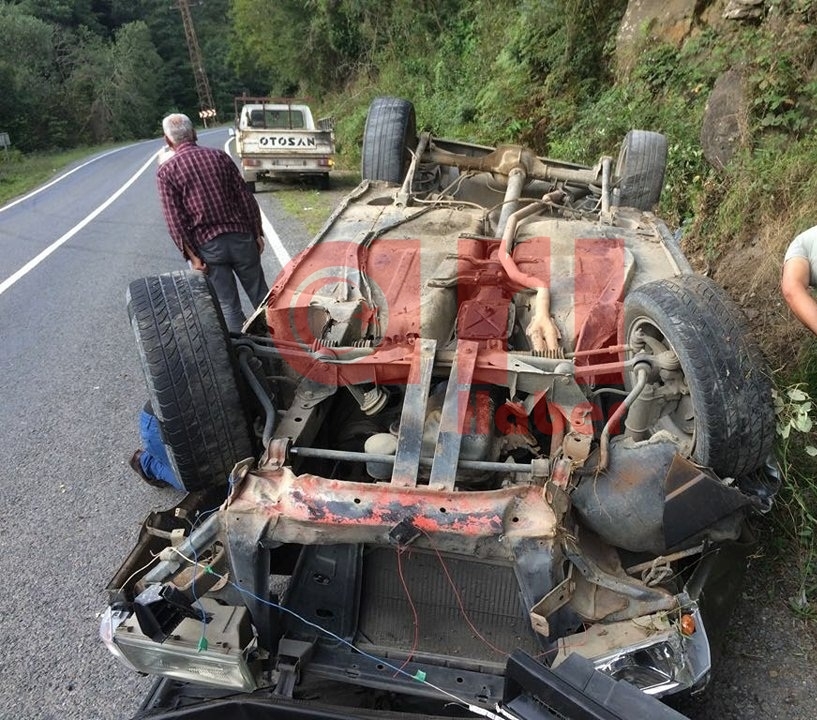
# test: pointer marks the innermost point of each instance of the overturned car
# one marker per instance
(487, 431)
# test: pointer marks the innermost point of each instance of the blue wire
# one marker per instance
(203, 639)
(416, 677)
(275, 605)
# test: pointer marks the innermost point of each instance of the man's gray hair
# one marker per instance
(179, 128)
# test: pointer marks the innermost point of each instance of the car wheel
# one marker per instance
(251, 186)
(191, 377)
(714, 392)
(640, 169)
(388, 137)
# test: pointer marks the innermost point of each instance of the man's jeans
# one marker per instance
(234, 253)
(154, 460)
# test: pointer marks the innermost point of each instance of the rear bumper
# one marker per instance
(254, 167)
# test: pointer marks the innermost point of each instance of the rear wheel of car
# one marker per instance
(719, 405)
(251, 186)
(388, 138)
(190, 373)
(640, 169)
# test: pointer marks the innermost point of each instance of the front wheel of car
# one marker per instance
(711, 388)
(388, 138)
(190, 374)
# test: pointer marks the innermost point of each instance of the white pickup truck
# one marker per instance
(280, 138)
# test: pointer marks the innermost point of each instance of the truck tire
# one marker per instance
(728, 414)
(640, 169)
(388, 138)
(190, 374)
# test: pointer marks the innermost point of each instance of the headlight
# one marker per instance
(223, 663)
(109, 622)
(653, 654)
(652, 669)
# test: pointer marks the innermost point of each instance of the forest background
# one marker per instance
(552, 74)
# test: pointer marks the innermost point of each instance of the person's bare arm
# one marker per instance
(795, 287)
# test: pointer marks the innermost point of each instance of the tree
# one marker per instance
(30, 79)
(113, 88)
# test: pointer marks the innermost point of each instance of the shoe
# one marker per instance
(136, 466)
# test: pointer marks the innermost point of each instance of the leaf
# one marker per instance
(796, 394)
(802, 423)
(811, 451)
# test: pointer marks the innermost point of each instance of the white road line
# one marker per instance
(269, 231)
(62, 177)
(273, 239)
(31, 264)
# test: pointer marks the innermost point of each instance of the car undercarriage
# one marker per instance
(488, 421)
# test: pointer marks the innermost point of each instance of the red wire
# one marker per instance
(413, 611)
(459, 599)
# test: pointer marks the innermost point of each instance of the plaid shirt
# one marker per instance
(203, 196)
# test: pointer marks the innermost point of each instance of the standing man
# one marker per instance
(212, 217)
(799, 274)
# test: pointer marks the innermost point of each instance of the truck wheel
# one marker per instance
(190, 374)
(640, 169)
(388, 137)
(719, 405)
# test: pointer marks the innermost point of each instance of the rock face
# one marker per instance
(668, 21)
(647, 22)
(744, 9)
(724, 124)
(674, 21)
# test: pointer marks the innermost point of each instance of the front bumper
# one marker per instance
(532, 692)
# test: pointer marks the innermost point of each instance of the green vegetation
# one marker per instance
(546, 73)
(20, 173)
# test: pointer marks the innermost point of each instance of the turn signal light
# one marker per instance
(687, 625)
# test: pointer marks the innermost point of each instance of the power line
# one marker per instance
(207, 108)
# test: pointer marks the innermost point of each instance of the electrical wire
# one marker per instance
(203, 639)
(154, 557)
(416, 640)
(418, 676)
(453, 585)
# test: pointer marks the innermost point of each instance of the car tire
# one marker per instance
(728, 416)
(388, 138)
(251, 186)
(640, 169)
(190, 374)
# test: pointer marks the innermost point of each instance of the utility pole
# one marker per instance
(207, 108)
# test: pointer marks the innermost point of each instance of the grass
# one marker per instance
(311, 206)
(21, 173)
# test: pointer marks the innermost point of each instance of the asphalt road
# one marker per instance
(71, 389)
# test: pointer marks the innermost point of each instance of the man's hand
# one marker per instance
(260, 242)
(196, 263)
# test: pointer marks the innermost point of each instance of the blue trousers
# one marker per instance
(154, 460)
